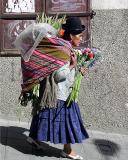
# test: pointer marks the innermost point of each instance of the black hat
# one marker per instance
(73, 25)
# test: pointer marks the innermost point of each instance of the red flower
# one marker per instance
(91, 55)
(61, 32)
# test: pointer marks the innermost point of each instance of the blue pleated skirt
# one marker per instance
(59, 125)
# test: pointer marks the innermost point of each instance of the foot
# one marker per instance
(71, 155)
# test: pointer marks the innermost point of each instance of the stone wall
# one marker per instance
(104, 95)
(10, 79)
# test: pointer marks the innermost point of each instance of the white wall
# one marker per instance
(110, 4)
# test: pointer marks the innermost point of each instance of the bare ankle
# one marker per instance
(67, 148)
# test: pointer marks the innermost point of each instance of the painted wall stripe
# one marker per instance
(110, 4)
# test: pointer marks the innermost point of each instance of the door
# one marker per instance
(16, 15)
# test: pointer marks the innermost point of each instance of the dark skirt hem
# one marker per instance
(63, 142)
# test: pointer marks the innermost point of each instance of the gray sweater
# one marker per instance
(64, 78)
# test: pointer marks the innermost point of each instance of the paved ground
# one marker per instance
(100, 146)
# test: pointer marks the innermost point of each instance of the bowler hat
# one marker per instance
(73, 25)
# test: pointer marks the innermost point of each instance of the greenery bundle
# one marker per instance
(54, 21)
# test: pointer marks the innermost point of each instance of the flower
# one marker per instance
(86, 50)
(91, 55)
(79, 52)
(61, 32)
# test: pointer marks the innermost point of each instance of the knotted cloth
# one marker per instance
(49, 56)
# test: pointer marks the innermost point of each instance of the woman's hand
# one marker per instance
(73, 61)
(83, 70)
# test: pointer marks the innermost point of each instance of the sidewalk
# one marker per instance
(100, 145)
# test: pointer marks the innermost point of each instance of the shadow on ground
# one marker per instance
(15, 138)
(106, 148)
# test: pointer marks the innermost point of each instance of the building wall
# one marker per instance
(10, 79)
(105, 104)
(104, 92)
(106, 87)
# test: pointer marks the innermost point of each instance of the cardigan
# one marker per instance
(64, 78)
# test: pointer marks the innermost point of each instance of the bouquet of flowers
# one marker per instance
(86, 57)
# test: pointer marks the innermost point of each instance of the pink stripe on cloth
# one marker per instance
(49, 57)
(38, 67)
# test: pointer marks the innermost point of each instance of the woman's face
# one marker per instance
(76, 39)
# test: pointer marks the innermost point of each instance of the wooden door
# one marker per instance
(16, 15)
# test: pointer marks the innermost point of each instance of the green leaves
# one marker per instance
(73, 97)
(54, 21)
(30, 96)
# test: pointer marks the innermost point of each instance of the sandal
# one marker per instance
(78, 157)
(65, 155)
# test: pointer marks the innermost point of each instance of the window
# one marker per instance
(16, 15)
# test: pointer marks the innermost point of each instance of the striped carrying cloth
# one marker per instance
(49, 56)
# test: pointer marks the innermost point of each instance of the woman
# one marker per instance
(62, 124)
